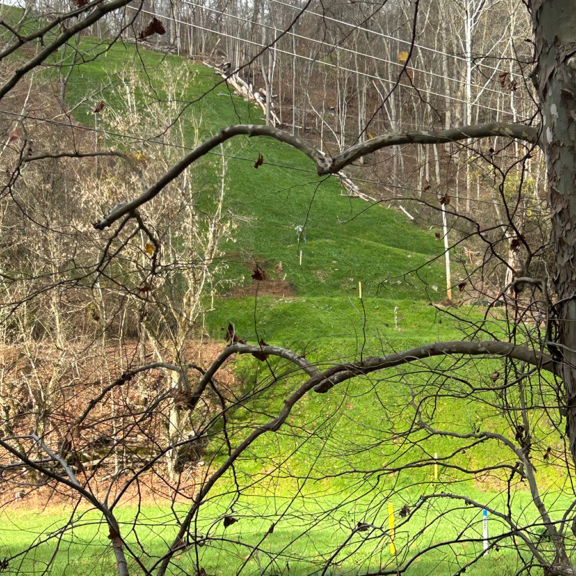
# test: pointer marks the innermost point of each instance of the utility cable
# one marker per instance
(329, 65)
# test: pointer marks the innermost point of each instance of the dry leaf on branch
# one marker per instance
(258, 274)
(231, 336)
(515, 243)
(262, 356)
(155, 27)
(229, 520)
(259, 162)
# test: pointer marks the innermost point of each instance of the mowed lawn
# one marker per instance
(309, 532)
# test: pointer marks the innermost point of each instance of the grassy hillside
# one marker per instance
(314, 307)
(347, 241)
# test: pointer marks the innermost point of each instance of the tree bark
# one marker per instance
(554, 23)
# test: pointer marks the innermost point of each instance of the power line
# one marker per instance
(350, 50)
(382, 34)
(302, 57)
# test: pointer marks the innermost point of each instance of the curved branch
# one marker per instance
(322, 382)
(516, 131)
(343, 372)
(324, 164)
(237, 348)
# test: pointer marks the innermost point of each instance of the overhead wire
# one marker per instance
(382, 34)
(329, 65)
(340, 47)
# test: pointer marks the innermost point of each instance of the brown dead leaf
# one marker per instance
(262, 356)
(258, 274)
(231, 337)
(155, 27)
(445, 200)
(259, 162)
(515, 243)
(229, 520)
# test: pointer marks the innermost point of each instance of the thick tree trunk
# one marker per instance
(555, 79)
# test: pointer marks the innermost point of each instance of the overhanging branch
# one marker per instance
(478, 131)
(99, 12)
(343, 372)
(324, 164)
(323, 381)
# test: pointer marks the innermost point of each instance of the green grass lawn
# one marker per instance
(330, 523)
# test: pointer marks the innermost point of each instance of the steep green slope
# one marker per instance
(346, 240)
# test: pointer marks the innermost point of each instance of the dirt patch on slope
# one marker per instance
(271, 287)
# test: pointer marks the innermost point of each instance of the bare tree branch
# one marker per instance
(99, 12)
(324, 164)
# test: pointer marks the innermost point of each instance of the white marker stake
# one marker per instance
(360, 290)
(300, 257)
(485, 529)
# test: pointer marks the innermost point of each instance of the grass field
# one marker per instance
(288, 549)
